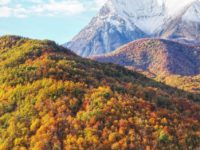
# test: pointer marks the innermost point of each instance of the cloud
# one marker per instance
(25, 8)
(5, 11)
(94, 5)
(65, 7)
(99, 3)
(4, 2)
(17, 11)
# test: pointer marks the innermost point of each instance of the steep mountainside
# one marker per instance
(52, 99)
(159, 57)
(122, 21)
(185, 25)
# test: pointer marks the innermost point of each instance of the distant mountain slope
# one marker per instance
(122, 21)
(52, 99)
(157, 56)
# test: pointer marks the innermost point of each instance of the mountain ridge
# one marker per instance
(157, 56)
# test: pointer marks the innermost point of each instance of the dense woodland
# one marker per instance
(51, 99)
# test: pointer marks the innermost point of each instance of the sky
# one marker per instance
(57, 20)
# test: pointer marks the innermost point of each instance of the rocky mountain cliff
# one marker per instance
(122, 21)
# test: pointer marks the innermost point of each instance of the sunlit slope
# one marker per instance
(52, 99)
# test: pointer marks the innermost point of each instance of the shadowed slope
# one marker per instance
(160, 57)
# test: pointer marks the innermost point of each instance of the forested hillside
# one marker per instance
(51, 99)
(156, 56)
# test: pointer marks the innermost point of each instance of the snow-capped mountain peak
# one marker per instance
(176, 6)
(138, 13)
(121, 21)
(193, 12)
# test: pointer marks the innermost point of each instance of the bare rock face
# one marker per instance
(103, 40)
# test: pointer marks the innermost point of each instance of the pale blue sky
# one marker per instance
(57, 20)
